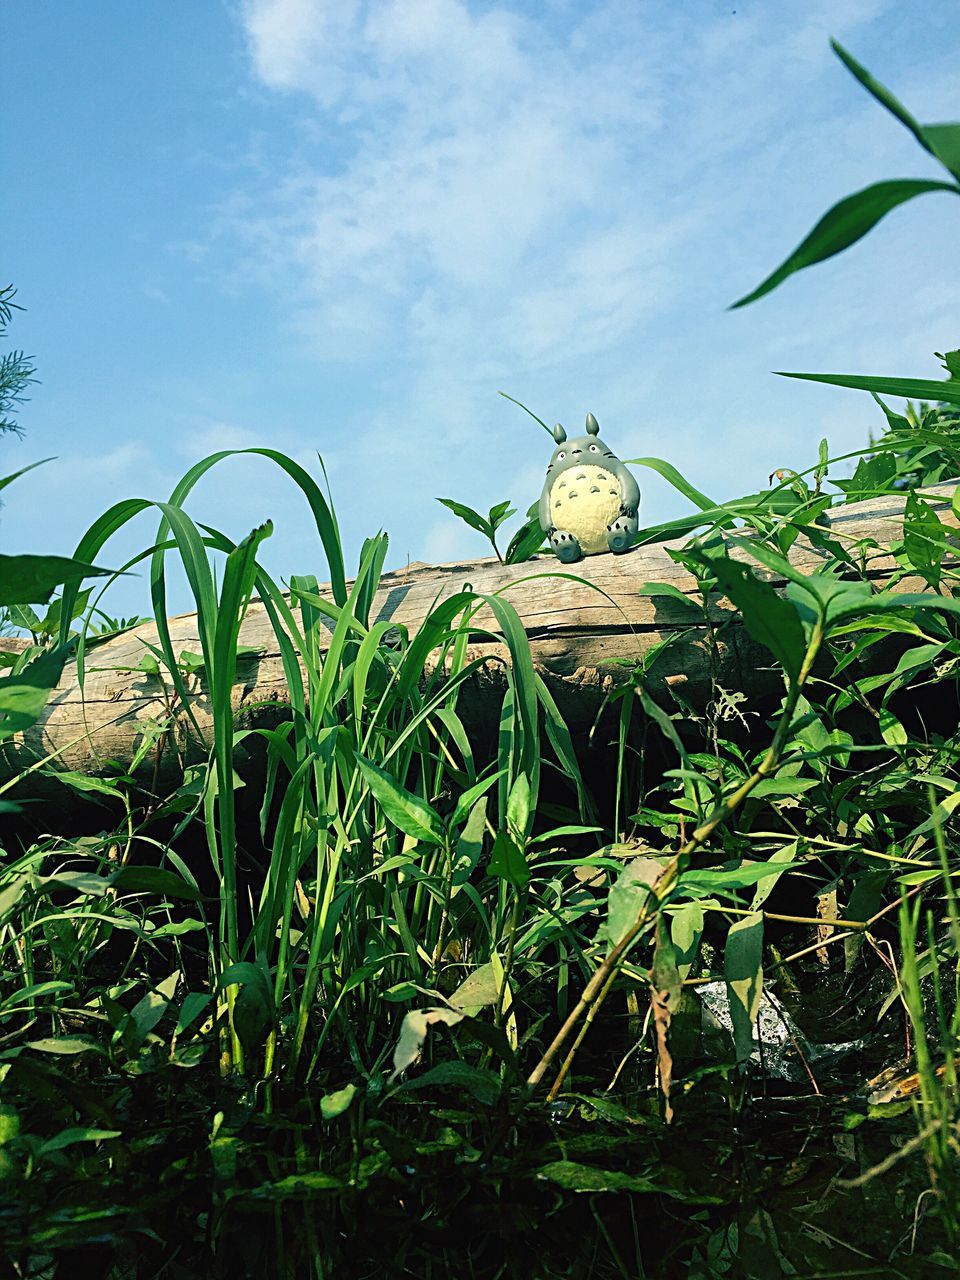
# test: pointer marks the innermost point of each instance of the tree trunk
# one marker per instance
(587, 626)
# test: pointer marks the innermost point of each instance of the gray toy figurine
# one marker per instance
(590, 500)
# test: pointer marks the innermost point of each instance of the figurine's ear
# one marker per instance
(559, 434)
(593, 426)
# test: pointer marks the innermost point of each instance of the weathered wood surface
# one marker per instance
(578, 636)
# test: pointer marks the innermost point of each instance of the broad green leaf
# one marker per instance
(32, 579)
(664, 972)
(87, 882)
(780, 862)
(335, 1104)
(193, 1005)
(743, 971)
(924, 538)
(877, 90)
(772, 621)
(686, 930)
(668, 591)
(573, 1176)
(499, 513)
(154, 880)
(844, 224)
(941, 140)
(88, 783)
(518, 807)
(891, 730)
(35, 991)
(707, 882)
(67, 1045)
(628, 897)
(872, 476)
(295, 1186)
(69, 1137)
(469, 846)
(835, 599)
(526, 542)
(252, 1012)
(148, 1011)
(413, 1032)
(478, 989)
(888, 601)
(23, 696)
(483, 1085)
(507, 861)
(786, 786)
(413, 816)
(467, 514)
(470, 797)
(909, 388)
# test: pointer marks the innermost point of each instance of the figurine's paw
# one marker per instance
(620, 534)
(566, 546)
(629, 512)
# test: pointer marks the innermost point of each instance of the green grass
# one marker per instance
(417, 914)
(411, 998)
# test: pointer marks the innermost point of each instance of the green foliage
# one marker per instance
(526, 541)
(851, 219)
(16, 370)
(418, 918)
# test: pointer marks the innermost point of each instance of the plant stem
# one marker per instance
(600, 984)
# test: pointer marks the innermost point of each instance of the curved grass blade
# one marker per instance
(238, 578)
(910, 388)
(526, 410)
(843, 225)
(881, 93)
(671, 474)
(5, 480)
(31, 579)
(100, 531)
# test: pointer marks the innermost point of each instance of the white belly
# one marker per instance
(583, 501)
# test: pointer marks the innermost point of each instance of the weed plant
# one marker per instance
(428, 997)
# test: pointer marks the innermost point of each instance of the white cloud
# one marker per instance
(560, 200)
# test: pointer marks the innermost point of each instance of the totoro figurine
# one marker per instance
(590, 500)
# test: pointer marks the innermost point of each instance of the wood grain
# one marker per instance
(583, 624)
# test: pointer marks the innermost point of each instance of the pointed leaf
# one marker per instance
(32, 579)
(23, 696)
(843, 225)
(743, 970)
(467, 514)
(413, 816)
(769, 619)
(879, 91)
(413, 1033)
(526, 542)
(910, 388)
(678, 481)
(335, 1104)
(507, 862)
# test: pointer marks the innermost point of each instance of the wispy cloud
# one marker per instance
(559, 199)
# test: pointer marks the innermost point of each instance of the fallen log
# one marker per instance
(585, 627)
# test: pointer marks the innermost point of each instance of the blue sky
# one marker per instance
(342, 227)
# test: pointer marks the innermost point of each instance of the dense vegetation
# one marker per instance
(409, 997)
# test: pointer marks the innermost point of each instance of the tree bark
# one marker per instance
(587, 625)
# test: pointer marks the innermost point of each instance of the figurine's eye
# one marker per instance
(561, 455)
(594, 449)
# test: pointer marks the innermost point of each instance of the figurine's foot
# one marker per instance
(620, 535)
(566, 546)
